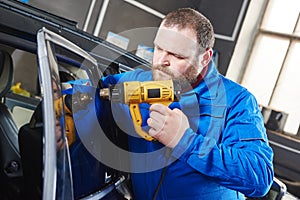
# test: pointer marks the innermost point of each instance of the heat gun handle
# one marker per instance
(137, 122)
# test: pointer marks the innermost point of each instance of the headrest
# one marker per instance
(6, 72)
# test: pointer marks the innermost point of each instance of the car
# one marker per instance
(41, 54)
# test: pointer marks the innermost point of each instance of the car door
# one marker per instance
(55, 56)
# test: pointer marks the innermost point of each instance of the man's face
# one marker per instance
(176, 55)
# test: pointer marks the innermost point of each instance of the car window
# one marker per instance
(25, 92)
(66, 72)
(25, 71)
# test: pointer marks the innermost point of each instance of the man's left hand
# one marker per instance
(166, 125)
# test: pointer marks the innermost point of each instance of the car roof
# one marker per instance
(20, 23)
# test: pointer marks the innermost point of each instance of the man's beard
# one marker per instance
(164, 73)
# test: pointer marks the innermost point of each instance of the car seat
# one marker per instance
(10, 162)
(30, 142)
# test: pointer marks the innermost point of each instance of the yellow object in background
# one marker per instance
(18, 90)
(70, 127)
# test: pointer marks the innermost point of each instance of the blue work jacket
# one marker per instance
(223, 155)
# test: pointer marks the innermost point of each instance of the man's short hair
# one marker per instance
(190, 18)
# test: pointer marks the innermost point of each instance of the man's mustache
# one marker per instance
(166, 70)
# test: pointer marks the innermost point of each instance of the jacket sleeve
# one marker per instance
(241, 158)
(137, 74)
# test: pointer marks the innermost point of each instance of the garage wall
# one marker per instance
(128, 17)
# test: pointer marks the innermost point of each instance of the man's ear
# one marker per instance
(207, 56)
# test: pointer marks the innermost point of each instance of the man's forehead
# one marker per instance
(176, 40)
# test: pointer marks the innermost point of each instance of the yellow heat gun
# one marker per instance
(134, 92)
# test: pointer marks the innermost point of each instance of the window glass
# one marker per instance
(274, 64)
(281, 16)
(286, 95)
(264, 66)
(21, 115)
(25, 66)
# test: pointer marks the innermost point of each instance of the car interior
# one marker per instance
(10, 160)
(21, 141)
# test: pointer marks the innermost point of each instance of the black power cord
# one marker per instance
(168, 155)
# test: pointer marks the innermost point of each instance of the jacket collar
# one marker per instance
(208, 87)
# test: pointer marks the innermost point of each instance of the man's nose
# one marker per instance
(164, 59)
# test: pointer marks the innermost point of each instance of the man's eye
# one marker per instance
(158, 48)
(178, 56)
